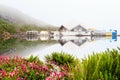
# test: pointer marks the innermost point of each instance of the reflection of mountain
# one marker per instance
(14, 44)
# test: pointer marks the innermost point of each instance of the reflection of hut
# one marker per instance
(74, 39)
(62, 28)
(79, 42)
(6, 35)
(32, 38)
(32, 33)
(44, 33)
(79, 28)
(54, 33)
(62, 42)
(44, 38)
(98, 32)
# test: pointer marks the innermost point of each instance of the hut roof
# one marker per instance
(62, 28)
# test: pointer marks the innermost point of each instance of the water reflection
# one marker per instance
(43, 45)
(78, 40)
(74, 39)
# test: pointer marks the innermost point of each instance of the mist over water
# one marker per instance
(78, 46)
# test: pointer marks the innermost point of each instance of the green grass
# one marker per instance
(103, 66)
(61, 58)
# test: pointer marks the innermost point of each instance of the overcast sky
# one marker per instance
(89, 13)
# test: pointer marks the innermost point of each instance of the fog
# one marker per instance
(100, 14)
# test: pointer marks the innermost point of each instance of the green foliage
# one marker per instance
(61, 59)
(8, 27)
(30, 27)
(103, 66)
(78, 71)
(38, 28)
(34, 59)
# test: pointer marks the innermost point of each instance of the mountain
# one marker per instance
(13, 15)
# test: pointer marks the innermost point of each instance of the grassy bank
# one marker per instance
(62, 66)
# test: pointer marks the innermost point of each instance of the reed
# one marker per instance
(102, 66)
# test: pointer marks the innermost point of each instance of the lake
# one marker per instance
(78, 46)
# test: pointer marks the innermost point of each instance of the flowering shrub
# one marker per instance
(18, 68)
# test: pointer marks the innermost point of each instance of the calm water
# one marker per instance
(41, 46)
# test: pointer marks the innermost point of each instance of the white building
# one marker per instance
(44, 33)
(76, 31)
(98, 32)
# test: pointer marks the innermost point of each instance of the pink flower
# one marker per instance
(63, 73)
(24, 67)
(65, 67)
(48, 78)
(21, 78)
(18, 78)
(45, 67)
(56, 74)
(59, 75)
(12, 73)
(53, 62)
(36, 66)
(3, 72)
(31, 65)
(37, 73)
(6, 59)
